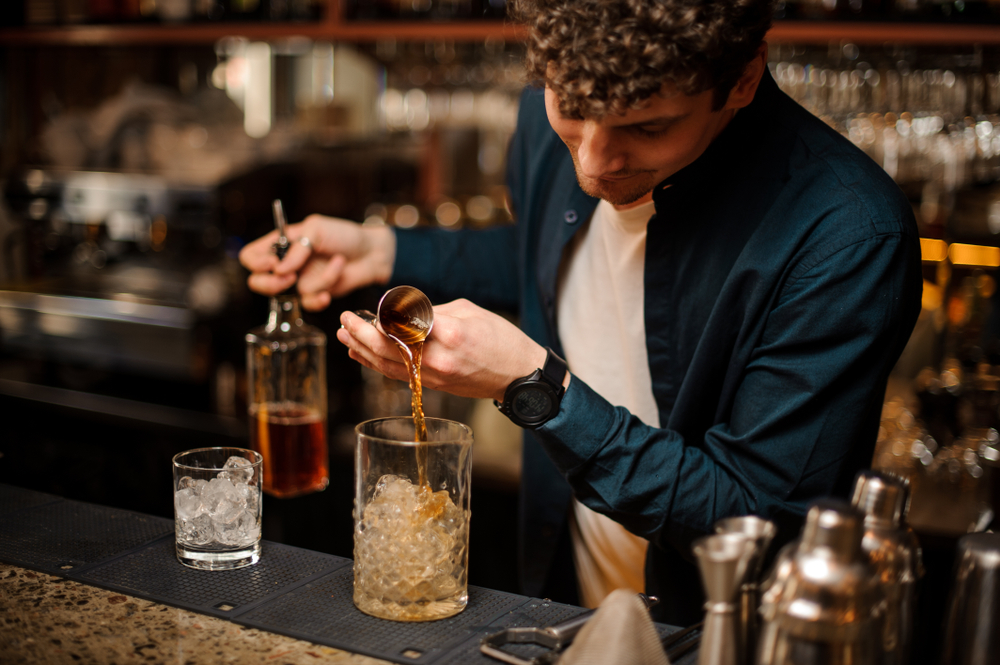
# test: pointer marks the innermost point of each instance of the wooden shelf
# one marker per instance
(817, 32)
(822, 32)
(208, 33)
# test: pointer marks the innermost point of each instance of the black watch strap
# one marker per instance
(542, 389)
(554, 369)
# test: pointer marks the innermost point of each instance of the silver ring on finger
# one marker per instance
(305, 242)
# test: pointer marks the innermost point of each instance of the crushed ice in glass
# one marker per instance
(409, 548)
(223, 511)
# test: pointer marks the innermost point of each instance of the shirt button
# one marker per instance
(570, 216)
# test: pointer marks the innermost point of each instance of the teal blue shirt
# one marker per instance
(782, 281)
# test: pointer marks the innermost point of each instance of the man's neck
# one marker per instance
(646, 198)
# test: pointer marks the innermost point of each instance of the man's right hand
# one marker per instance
(338, 257)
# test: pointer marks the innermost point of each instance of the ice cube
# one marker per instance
(238, 469)
(185, 483)
(187, 504)
(388, 482)
(222, 501)
(250, 496)
(249, 528)
(229, 534)
(197, 531)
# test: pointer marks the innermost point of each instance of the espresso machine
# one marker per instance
(118, 293)
(117, 272)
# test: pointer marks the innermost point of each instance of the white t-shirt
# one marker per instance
(603, 334)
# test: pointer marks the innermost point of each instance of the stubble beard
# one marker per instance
(617, 193)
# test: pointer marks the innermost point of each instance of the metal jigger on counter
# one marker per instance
(972, 633)
(760, 532)
(894, 553)
(817, 609)
(287, 404)
(722, 560)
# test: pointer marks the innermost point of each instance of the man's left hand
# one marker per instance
(471, 352)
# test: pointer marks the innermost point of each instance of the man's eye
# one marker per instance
(651, 131)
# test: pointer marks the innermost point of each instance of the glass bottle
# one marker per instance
(286, 366)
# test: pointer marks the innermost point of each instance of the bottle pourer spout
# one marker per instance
(280, 247)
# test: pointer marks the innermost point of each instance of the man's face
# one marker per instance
(620, 158)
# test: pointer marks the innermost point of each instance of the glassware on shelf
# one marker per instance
(925, 119)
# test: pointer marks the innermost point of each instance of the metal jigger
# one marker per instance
(760, 532)
(722, 560)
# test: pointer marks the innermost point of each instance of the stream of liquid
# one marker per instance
(409, 333)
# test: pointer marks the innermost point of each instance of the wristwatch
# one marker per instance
(533, 400)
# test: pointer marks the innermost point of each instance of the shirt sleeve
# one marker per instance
(803, 413)
(479, 265)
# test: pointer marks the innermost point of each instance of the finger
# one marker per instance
(379, 349)
(345, 338)
(258, 256)
(295, 258)
(368, 335)
(315, 302)
(392, 368)
(460, 308)
(323, 276)
(268, 283)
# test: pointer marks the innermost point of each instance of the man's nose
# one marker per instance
(599, 153)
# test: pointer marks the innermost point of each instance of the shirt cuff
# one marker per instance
(580, 429)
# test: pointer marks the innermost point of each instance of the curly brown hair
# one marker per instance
(608, 56)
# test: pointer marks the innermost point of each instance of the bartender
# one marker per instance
(712, 288)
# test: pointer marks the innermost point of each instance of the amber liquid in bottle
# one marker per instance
(287, 406)
(292, 438)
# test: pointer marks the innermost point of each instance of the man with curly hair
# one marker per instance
(729, 281)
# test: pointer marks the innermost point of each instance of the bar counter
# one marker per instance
(47, 619)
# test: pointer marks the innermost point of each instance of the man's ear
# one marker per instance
(746, 87)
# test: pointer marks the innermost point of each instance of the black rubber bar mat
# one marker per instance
(13, 499)
(291, 591)
(154, 573)
(65, 536)
(323, 611)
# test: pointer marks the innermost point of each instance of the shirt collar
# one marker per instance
(737, 143)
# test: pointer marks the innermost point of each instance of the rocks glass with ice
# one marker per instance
(217, 507)
(411, 519)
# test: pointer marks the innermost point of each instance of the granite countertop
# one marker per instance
(47, 619)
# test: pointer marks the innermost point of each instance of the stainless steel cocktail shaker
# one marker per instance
(894, 553)
(972, 636)
(817, 609)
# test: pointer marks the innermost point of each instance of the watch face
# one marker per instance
(531, 403)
